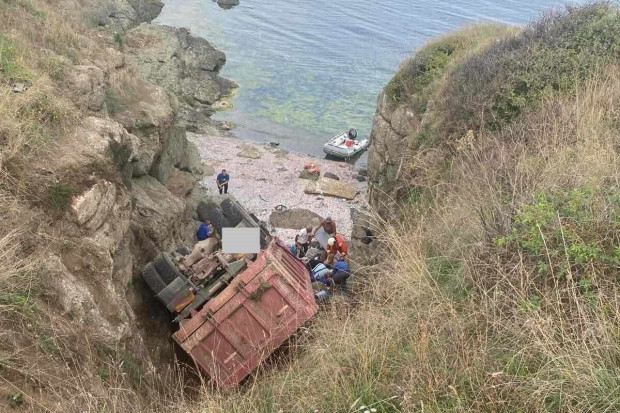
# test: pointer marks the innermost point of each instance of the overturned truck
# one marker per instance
(233, 310)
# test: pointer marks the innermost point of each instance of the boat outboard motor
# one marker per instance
(352, 134)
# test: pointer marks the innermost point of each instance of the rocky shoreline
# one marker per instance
(264, 177)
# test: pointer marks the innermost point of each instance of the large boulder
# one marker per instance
(93, 207)
(158, 211)
(184, 65)
(97, 142)
(331, 187)
(87, 86)
(181, 183)
(227, 4)
(389, 148)
(249, 151)
(295, 218)
(151, 118)
(122, 15)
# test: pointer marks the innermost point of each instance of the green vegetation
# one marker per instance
(420, 77)
(11, 65)
(565, 233)
(496, 86)
(59, 195)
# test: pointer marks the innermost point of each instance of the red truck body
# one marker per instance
(238, 329)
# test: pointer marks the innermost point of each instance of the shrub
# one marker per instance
(572, 232)
(59, 196)
(549, 57)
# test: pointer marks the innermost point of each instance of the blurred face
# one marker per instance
(223, 171)
(308, 229)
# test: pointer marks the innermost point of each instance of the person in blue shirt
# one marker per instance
(222, 181)
(340, 272)
(204, 230)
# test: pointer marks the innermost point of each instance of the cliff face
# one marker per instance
(114, 183)
(392, 128)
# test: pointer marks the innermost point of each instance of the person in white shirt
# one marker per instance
(302, 240)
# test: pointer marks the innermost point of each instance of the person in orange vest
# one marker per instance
(336, 248)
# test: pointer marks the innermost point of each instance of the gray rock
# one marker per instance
(227, 4)
(307, 175)
(157, 210)
(362, 171)
(184, 65)
(181, 183)
(87, 85)
(331, 176)
(249, 151)
(360, 178)
(281, 169)
(331, 187)
(123, 14)
(296, 218)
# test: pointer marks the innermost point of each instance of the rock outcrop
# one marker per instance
(331, 187)
(124, 14)
(389, 147)
(184, 65)
(296, 218)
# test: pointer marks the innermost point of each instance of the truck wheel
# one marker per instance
(219, 221)
(231, 210)
(152, 278)
(167, 270)
(184, 250)
(212, 211)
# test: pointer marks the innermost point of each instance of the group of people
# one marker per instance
(330, 266)
(334, 257)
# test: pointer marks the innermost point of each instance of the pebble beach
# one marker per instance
(263, 177)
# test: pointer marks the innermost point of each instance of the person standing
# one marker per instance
(328, 225)
(302, 240)
(222, 181)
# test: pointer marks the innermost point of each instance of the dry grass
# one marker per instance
(453, 320)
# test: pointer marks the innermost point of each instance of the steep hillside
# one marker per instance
(497, 288)
(95, 169)
(494, 149)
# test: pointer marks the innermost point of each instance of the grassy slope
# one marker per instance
(48, 361)
(497, 294)
(499, 291)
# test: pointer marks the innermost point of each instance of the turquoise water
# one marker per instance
(309, 69)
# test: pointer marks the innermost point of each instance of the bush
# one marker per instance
(548, 58)
(571, 232)
(59, 196)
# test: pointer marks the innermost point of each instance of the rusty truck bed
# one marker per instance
(239, 328)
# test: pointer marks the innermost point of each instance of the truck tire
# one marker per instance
(184, 250)
(152, 278)
(232, 212)
(213, 213)
(166, 268)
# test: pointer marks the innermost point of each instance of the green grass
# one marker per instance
(566, 233)
(58, 196)
(11, 65)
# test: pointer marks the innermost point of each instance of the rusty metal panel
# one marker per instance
(252, 317)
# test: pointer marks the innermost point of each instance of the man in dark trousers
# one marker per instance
(222, 181)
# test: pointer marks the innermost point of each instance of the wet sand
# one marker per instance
(273, 179)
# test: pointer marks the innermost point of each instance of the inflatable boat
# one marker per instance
(345, 145)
